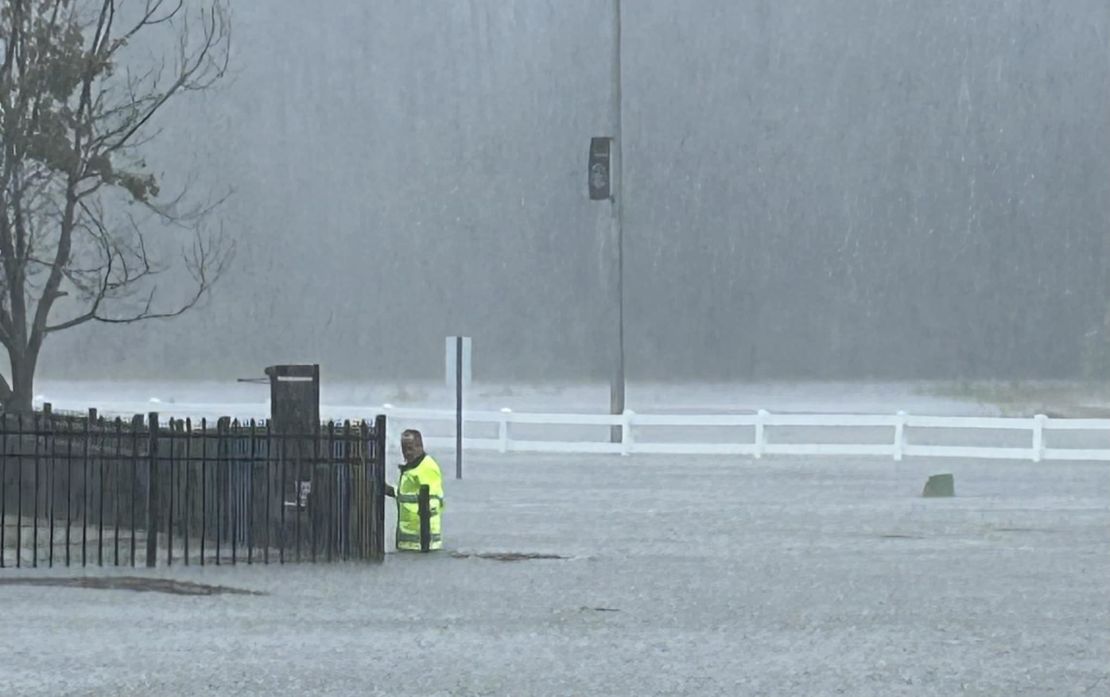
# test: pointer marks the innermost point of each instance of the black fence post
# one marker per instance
(86, 498)
(234, 472)
(203, 486)
(217, 478)
(152, 493)
(19, 491)
(188, 512)
(270, 469)
(248, 517)
(350, 518)
(458, 407)
(136, 427)
(423, 505)
(49, 445)
(101, 435)
(117, 488)
(36, 427)
(328, 500)
(171, 433)
(282, 481)
(314, 493)
(3, 485)
(379, 486)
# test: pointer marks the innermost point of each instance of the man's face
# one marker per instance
(410, 449)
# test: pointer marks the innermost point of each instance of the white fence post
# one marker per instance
(1038, 436)
(503, 430)
(626, 431)
(900, 436)
(760, 432)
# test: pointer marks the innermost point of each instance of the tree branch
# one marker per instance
(206, 263)
(191, 74)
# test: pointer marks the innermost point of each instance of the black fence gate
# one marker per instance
(89, 491)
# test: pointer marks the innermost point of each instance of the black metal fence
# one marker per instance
(89, 491)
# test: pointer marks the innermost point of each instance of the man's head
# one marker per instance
(412, 445)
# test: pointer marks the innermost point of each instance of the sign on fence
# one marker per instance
(451, 361)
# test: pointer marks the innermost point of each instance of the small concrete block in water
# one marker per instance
(940, 485)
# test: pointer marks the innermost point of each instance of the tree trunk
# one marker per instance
(23, 380)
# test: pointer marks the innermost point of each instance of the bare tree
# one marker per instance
(80, 93)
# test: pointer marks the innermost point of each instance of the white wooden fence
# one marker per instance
(907, 434)
(754, 434)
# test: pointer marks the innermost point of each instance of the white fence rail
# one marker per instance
(757, 434)
(909, 436)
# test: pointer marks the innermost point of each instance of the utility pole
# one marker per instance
(616, 385)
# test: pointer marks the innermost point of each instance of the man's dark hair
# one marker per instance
(413, 435)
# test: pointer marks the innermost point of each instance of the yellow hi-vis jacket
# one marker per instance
(424, 472)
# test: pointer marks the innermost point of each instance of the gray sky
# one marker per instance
(814, 188)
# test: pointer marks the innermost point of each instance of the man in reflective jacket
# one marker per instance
(416, 532)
